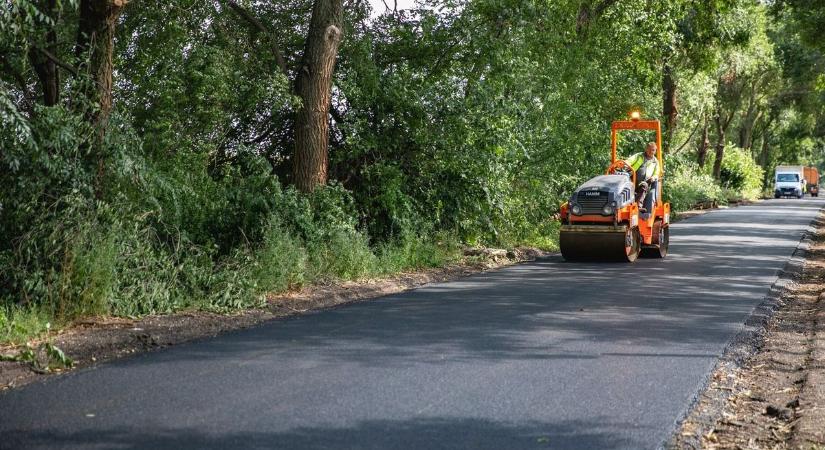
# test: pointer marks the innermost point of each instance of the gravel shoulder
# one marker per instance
(769, 389)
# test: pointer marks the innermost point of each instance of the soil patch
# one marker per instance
(95, 340)
(773, 396)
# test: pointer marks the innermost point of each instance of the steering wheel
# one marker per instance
(622, 166)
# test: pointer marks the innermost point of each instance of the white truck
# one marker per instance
(789, 182)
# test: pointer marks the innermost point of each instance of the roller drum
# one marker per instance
(600, 245)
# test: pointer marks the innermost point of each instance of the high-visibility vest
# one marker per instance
(651, 166)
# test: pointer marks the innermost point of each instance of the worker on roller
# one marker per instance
(647, 172)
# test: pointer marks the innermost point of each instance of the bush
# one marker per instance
(280, 263)
(169, 239)
(686, 186)
(741, 174)
(172, 230)
(417, 251)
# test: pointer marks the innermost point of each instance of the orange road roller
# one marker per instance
(602, 219)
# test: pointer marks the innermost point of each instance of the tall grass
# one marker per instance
(109, 266)
(686, 186)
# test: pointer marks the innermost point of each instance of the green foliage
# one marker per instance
(740, 177)
(686, 186)
(174, 237)
(281, 262)
(741, 174)
(417, 252)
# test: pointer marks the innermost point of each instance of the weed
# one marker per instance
(43, 359)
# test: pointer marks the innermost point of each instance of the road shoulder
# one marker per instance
(768, 391)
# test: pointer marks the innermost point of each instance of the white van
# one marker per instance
(790, 182)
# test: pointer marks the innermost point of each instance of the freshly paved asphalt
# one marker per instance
(541, 355)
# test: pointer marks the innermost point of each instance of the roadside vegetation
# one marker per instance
(163, 156)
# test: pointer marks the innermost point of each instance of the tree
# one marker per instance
(313, 85)
(697, 40)
(722, 118)
(95, 45)
(669, 104)
(43, 60)
(810, 14)
(704, 143)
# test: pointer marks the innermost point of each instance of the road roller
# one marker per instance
(603, 221)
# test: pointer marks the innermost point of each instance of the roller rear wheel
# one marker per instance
(661, 241)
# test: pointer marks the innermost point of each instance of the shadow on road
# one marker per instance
(430, 433)
(718, 271)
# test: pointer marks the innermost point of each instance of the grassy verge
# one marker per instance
(122, 274)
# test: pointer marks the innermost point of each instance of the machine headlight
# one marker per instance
(607, 210)
(576, 209)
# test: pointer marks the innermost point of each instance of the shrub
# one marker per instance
(740, 176)
(686, 186)
(417, 251)
(741, 173)
(280, 263)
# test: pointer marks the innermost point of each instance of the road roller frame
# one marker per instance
(596, 236)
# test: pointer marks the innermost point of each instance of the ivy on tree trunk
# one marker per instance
(95, 43)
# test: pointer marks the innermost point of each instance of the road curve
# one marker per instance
(541, 355)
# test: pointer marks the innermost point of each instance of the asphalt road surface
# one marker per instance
(541, 355)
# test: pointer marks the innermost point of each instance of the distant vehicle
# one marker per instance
(811, 175)
(790, 182)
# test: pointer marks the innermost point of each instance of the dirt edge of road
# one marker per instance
(100, 339)
(768, 389)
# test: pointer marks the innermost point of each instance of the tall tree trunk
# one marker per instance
(751, 115)
(44, 67)
(704, 144)
(743, 131)
(669, 110)
(309, 168)
(721, 129)
(746, 130)
(95, 44)
(764, 155)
